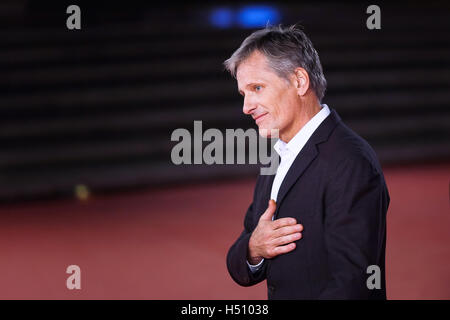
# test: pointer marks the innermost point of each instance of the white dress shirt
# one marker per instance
(288, 152)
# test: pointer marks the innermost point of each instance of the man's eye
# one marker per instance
(257, 88)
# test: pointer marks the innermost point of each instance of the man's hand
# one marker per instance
(272, 238)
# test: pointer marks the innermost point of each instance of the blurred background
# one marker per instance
(86, 118)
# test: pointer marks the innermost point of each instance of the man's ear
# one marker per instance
(301, 81)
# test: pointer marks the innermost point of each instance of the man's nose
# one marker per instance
(249, 105)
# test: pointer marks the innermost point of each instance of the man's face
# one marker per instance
(271, 100)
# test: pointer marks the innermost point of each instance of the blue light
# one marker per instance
(221, 17)
(257, 16)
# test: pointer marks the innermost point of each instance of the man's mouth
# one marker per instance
(260, 117)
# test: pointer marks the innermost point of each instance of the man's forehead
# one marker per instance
(256, 60)
(253, 69)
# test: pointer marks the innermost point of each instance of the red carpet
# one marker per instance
(171, 244)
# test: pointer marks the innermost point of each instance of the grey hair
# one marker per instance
(285, 49)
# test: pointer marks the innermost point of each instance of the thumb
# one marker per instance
(270, 211)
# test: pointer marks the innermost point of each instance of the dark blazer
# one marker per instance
(336, 189)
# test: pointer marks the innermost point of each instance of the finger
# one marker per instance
(284, 249)
(287, 239)
(283, 222)
(284, 231)
(270, 211)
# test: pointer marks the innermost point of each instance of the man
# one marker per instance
(325, 223)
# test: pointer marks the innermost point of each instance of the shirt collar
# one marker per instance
(295, 145)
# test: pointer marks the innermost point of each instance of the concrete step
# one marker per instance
(127, 175)
(196, 68)
(138, 141)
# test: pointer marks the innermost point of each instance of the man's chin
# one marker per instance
(268, 133)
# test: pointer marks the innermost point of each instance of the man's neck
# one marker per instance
(307, 112)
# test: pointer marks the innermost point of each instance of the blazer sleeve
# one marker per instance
(356, 203)
(237, 255)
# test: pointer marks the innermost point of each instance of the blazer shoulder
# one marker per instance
(345, 145)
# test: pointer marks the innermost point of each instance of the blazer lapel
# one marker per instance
(307, 155)
(304, 158)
